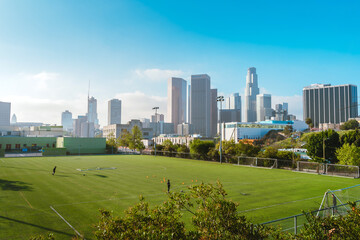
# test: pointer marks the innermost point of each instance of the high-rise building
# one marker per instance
(200, 104)
(230, 115)
(157, 117)
(67, 121)
(263, 107)
(251, 91)
(5, 108)
(213, 112)
(285, 107)
(77, 125)
(176, 106)
(13, 119)
(234, 101)
(278, 107)
(92, 116)
(114, 111)
(324, 103)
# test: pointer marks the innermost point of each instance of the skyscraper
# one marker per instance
(213, 112)
(5, 108)
(92, 112)
(176, 106)
(234, 101)
(263, 107)
(66, 120)
(114, 111)
(200, 104)
(251, 91)
(324, 103)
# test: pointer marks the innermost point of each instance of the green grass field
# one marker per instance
(28, 189)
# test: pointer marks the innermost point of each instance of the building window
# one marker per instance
(0, 146)
(17, 146)
(47, 145)
(53, 145)
(8, 146)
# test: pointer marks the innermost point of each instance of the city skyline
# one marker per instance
(50, 51)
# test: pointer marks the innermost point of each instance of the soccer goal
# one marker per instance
(313, 167)
(258, 162)
(335, 202)
(342, 170)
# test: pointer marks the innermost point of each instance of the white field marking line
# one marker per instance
(274, 205)
(25, 199)
(266, 181)
(2, 160)
(328, 175)
(67, 222)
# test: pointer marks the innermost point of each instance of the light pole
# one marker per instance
(220, 99)
(155, 108)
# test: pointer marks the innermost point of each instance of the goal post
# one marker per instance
(329, 169)
(258, 162)
(335, 202)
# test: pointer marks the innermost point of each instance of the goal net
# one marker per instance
(258, 162)
(329, 169)
(342, 170)
(313, 167)
(335, 202)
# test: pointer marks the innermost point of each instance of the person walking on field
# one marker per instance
(54, 171)
(168, 184)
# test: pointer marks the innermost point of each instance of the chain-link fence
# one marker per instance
(296, 222)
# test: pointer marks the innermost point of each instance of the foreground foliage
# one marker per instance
(213, 217)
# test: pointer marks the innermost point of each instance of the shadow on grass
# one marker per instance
(37, 226)
(99, 175)
(14, 185)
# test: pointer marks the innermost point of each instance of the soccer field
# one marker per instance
(28, 189)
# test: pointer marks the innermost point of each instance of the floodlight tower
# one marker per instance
(155, 108)
(220, 99)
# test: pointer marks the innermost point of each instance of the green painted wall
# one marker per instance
(27, 141)
(2, 152)
(72, 145)
(82, 145)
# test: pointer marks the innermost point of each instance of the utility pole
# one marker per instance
(220, 99)
(155, 108)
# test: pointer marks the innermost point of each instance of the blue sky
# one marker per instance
(50, 50)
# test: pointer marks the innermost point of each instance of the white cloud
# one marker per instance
(40, 80)
(35, 109)
(157, 75)
(137, 105)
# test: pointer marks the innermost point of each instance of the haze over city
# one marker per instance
(128, 50)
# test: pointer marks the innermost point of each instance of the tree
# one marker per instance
(247, 149)
(349, 154)
(339, 227)
(315, 144)
(123, 140)
(111, 145)
(351, 137)
(270, 152)
(132, 140)
(351, 124)
(168, 146)
(136, 137)
(288, 130)
(309, 122)
(201, 148)
(182, 148)
(213, 217)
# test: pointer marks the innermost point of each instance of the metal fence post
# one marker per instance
(295, 224)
